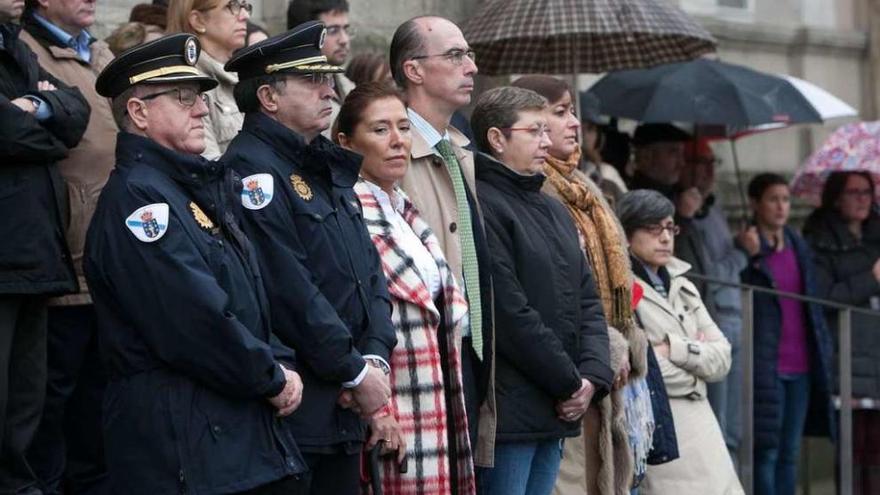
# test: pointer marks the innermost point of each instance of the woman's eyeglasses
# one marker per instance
(656, 229)
(536, 131)
(235, 6)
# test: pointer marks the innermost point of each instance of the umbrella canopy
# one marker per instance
(575, 36)
(704, 91)
(853, 146)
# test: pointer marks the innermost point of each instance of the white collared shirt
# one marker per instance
(423, 261)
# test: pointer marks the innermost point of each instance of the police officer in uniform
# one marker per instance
(326, 288)
(197, 382)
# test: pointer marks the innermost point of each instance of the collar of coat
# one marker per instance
(212, 67)
(501, 176)
(677, 282)
(826, 230)
(420, 148)
(404, 281)
(320, 157)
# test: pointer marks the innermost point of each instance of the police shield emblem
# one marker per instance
(301, 187)
(257, 191)
(149, 223)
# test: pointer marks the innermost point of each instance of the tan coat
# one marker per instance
(704, 466)
(599, 461)
(223, 120)
(86, 168)
(428, 185)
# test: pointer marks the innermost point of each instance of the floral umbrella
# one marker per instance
(853, 146)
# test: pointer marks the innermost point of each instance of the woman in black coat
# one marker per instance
(845, 236)
(552, 341)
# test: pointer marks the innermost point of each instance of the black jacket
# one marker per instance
(34, 258)
(184, 331)
(550, 329)
(326, 288)
(843, 274)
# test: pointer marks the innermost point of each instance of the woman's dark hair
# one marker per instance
(300, 11)
(362, 68)
(836, 183)
(761, 182)
(549, 87)
(641, 207)
(253, 27)
(356, 103)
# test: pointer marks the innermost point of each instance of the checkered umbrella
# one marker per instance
(580, 36)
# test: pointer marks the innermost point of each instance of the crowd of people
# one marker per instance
(233, 265)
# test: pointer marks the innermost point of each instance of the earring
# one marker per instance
(201, 30)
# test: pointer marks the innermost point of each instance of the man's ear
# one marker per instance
(344, 140)
(137, 113)
(412, 70)
(268, 98)
(42, 5)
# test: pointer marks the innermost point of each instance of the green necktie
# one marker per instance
(469, 263)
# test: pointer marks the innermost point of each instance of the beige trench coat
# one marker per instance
(88, 165)
(223, 120)
(429, 187)
(698, 353)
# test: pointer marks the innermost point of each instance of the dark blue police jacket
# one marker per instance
(327, 292)
(184, 331)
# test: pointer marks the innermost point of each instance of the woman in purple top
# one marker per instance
(792, 346)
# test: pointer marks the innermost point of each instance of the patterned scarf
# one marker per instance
(605, 251)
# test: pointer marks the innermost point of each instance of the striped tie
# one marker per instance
(469, 264)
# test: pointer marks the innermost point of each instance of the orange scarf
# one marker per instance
(606, 251)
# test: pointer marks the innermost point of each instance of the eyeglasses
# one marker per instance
(235, 6)
(858, 193)
(186, 96)
(456, 56)
(536, 130)
(656, 229)
(337, 29)
(318, 79)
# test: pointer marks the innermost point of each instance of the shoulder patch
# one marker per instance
(149, 223)
(257, 191)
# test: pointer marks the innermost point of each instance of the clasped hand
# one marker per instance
(573, 408)
(291, 395)
(369, 396)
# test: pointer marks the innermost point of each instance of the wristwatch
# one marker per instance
(36, 101)
(694, 349)
(378, 363)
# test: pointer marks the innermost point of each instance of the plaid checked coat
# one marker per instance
(426, 388)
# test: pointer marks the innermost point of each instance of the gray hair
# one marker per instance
(642, 207)
(500, 107)
(407, 43)
(119, 107)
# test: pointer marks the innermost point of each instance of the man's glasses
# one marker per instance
(186, 96)
(318, 79)
(235, 6)
(337, 29)
(656, 229)
(456, 56)
(536, 131)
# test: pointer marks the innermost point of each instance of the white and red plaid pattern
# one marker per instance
(419, 396)
(582, 36)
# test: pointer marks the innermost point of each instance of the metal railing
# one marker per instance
(844, 318)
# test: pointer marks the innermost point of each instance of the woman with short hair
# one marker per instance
(689, 346)
(221, 27)
(552, 357)
(427, 419)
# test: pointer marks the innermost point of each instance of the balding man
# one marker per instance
(434, 65)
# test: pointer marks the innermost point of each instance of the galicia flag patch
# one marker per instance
(257, 190)
(149, 223)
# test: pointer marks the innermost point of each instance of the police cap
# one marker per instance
(297, 51)
(170, 59)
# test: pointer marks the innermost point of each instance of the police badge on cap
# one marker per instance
(191, 52)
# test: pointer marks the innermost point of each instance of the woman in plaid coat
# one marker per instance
(427, 415)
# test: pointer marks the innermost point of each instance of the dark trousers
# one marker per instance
(339, 474)
(67, 453)
(287, 486)
(22, 385)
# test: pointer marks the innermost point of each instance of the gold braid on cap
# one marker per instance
(162, 71)
(298, 64)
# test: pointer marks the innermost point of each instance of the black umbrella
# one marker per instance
(703, 91)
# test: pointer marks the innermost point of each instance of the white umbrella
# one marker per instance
(826, 104)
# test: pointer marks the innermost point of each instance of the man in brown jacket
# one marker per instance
(56, 30)
(432, 62)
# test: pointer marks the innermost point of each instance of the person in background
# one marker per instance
(428, 306)
(593, 164)
(690, 349)
(792, 345)
(616, 150)
(434, 66)
(369, 67)
(552, 345)
(600, 458)
(337, 42)
(845, 236)
(154, 16)
(41, 119)
(255, 33)
(726, 262)
(221, 27)
(328, 296)
(67, 452)
(130, 35)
